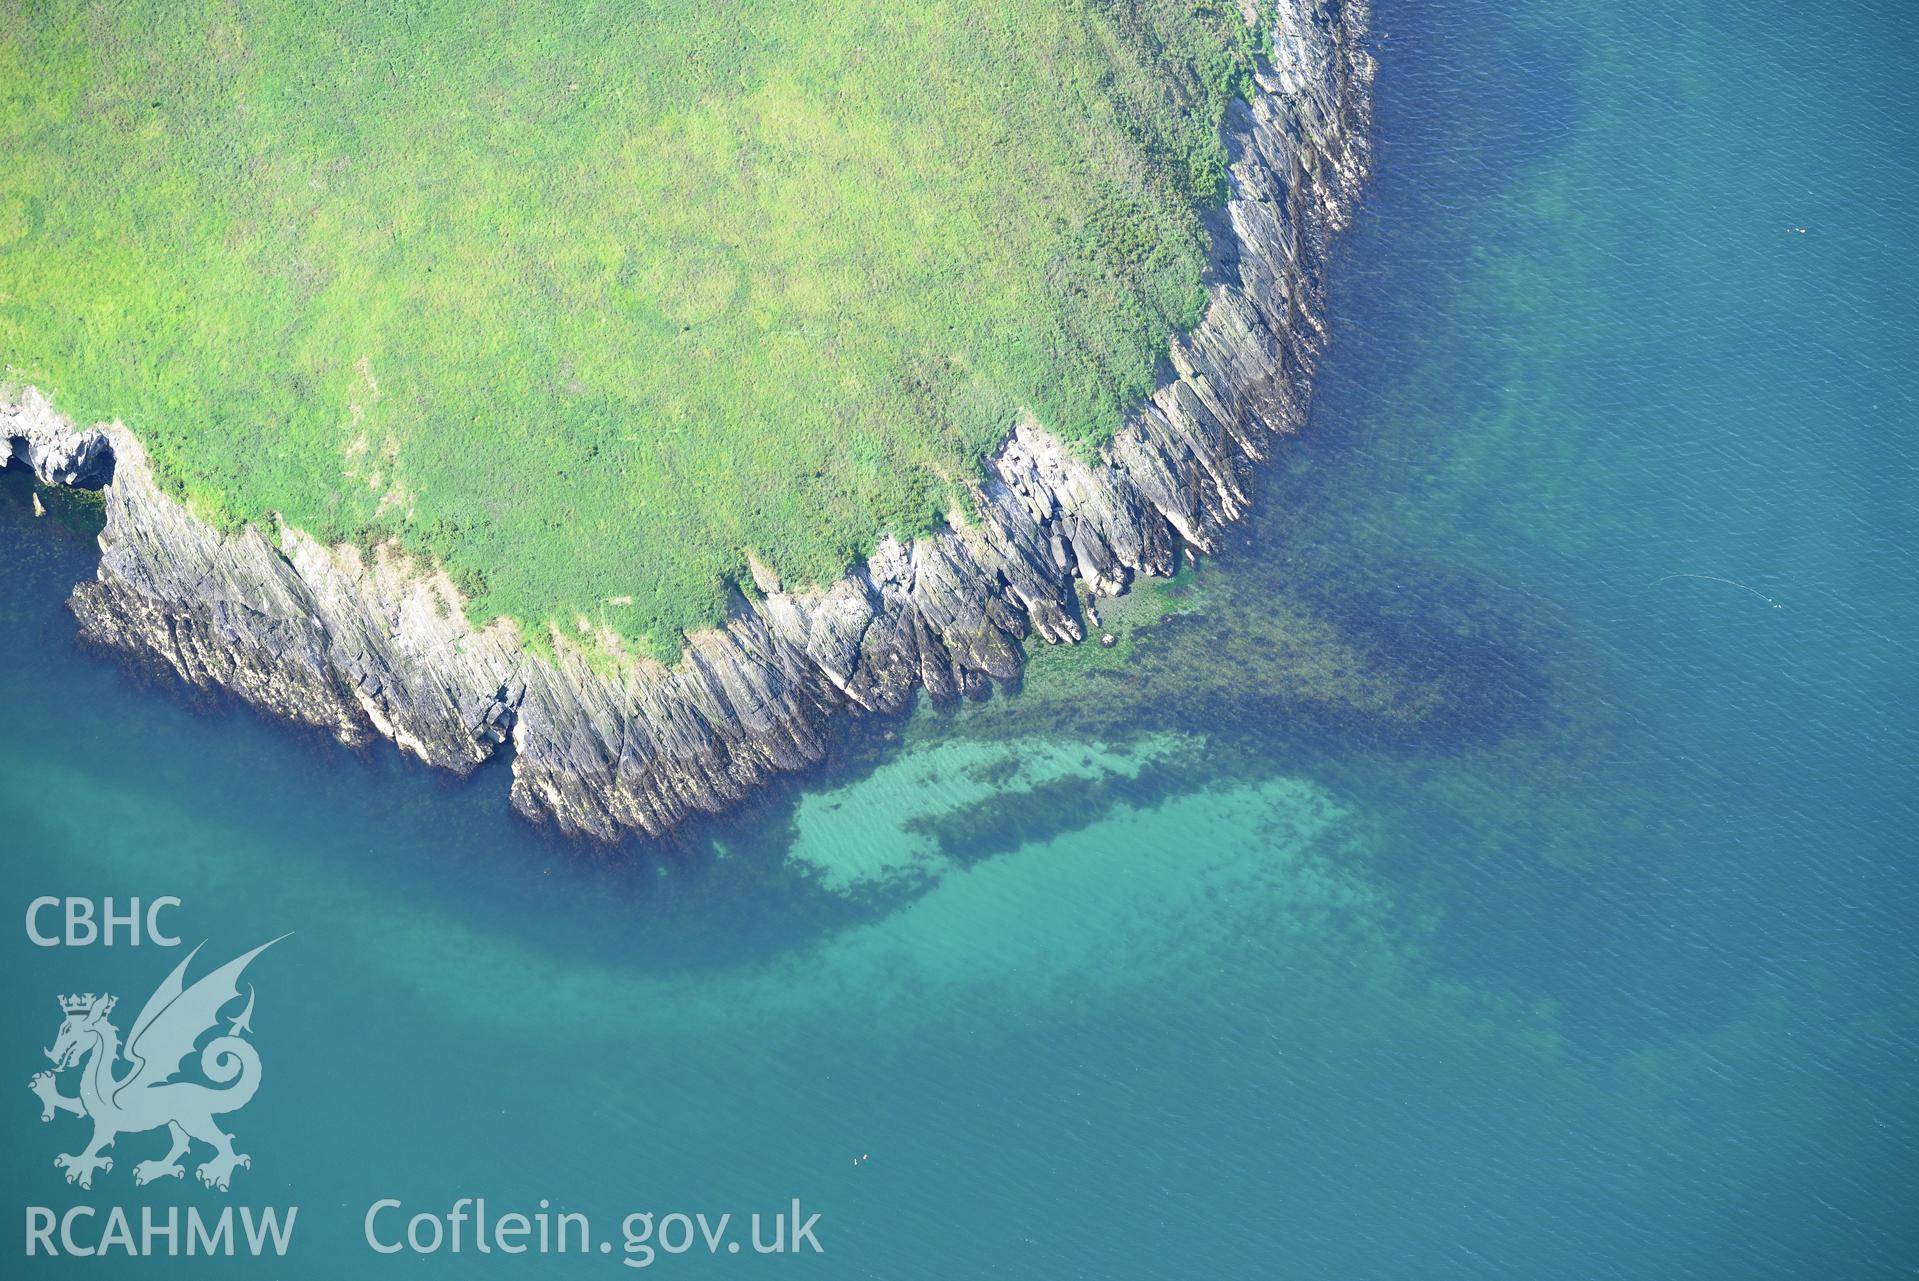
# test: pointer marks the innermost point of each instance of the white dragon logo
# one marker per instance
(174, 1018)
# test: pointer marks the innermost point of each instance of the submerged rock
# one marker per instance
(363, 646)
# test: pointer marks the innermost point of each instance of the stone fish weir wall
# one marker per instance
(361, 647)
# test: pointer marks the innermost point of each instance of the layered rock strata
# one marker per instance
(364, 646)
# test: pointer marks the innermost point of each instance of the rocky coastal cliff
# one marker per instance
(364, 646)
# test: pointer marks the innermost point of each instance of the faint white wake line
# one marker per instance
(1714, 578)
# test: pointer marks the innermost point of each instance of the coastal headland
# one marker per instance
(378, 641)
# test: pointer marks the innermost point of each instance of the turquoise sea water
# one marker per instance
(1603, 966)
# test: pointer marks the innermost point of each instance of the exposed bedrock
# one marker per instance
(47, 446)
(364, 646)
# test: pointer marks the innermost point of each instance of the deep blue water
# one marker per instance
(1606, 970)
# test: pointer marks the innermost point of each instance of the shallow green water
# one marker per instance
(1558, 924)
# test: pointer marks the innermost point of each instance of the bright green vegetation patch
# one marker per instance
(589, 301)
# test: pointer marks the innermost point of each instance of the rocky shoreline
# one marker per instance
(375, 646)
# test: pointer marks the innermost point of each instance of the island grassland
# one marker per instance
(590, 302)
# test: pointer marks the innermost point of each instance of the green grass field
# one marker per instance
(589, 301)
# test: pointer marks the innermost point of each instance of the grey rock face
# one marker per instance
(31, 435)
(326, 637)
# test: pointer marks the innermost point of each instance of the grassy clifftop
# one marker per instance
(590, 301)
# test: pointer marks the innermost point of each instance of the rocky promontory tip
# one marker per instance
(366, 645)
